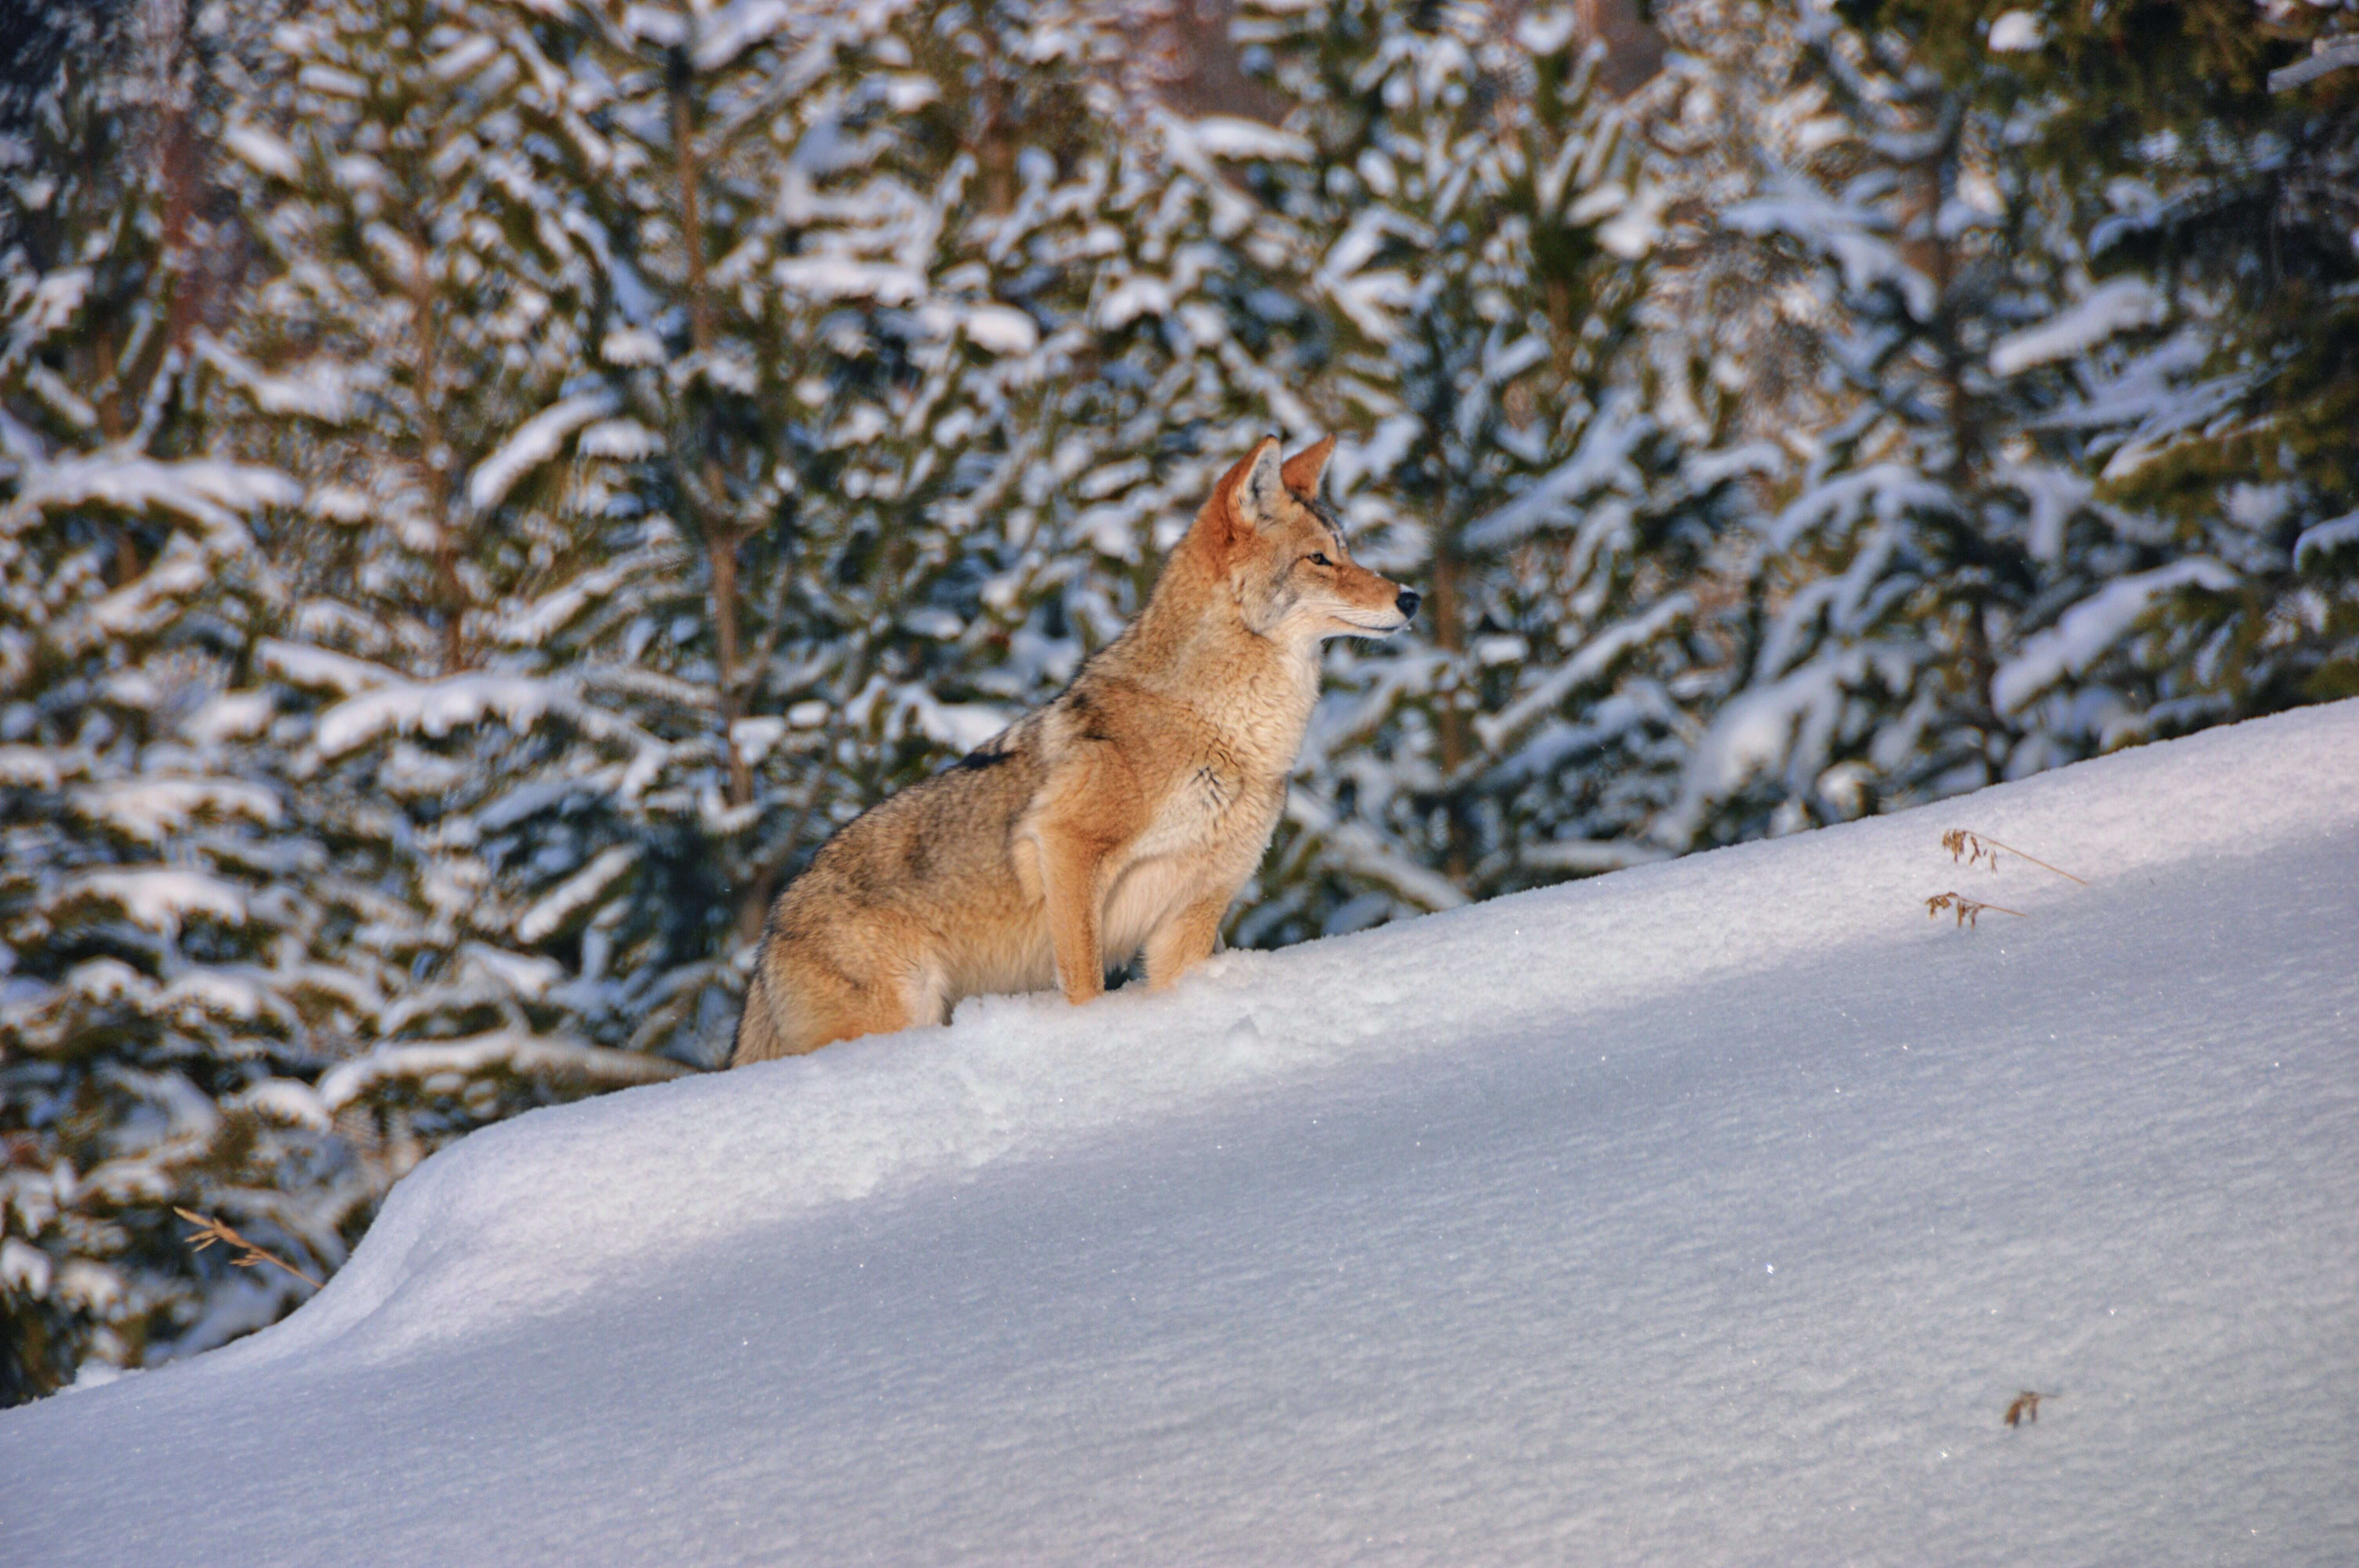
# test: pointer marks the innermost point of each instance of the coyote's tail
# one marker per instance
(756, 1036)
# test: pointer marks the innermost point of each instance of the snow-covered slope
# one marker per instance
(1708, 1212)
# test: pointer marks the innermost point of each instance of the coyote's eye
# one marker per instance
(1319, 561)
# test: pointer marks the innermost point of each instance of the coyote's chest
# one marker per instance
(1204, 835)
(1229, 780)
(1213, 800)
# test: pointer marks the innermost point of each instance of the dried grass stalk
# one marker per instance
(1970, 911)
(1972, 849)
(2026, 1407)
(210, 1230)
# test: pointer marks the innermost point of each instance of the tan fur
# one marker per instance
(1124, 816)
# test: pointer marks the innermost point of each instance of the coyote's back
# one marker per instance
(1121, 818)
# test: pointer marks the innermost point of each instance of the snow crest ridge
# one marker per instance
(527, 1214)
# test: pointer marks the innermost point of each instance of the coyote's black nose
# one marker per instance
(1406, 604)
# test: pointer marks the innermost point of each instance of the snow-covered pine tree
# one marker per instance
(162, 1008)
(1731, 109)
(2217, 442)
(1484, 216)
(422, 351)
(1985, 571)
(1902, 561)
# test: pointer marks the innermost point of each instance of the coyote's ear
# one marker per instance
(1259, 485)
(1303, 469)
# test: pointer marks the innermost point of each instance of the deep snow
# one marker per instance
(1711, 1211)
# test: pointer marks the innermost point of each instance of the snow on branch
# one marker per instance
(207, 492)
(2328, 59)
(845, 277)
(2117, 307)
(2320, 538)
(1785, 727)
(1132, 295)
(149, 809)
(513, 1051)
(1593, 661)
(542, 618)
(1354, 847)
(1888, 492)
(575, 893)
(961, 726)
(1846, 235)
(36, 767)
(49, 310)
(534, 442)
(158, 897)
(318, 389)
(1601, 461)
(2051, 495)
(737, 27)
(433, 707)
(267, 153)
(1588, 857)
(2084, 631)
(1231, 136)
(299, 663)
(1193, 144)
(235, 994)
(147, 603)
(1370, 298)
(1001, 330)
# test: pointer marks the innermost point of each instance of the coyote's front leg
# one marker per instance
(1090, 810)
(1184, 940)
(1072, 883)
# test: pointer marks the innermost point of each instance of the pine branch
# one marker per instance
(2325, 62)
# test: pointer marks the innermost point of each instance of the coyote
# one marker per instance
(1123, 815)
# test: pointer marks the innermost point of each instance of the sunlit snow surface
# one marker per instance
(1710, 1212)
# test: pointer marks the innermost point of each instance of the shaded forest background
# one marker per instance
(487, 486)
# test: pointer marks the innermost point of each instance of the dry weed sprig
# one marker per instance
(1964, 844)
(1970, 911)
(2026, 1407)
(250, 1253)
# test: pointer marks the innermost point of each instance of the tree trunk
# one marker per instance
(435, 461)
(721, 534)
(1455, 731)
